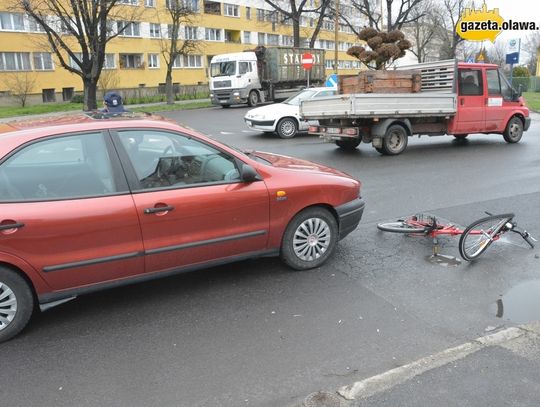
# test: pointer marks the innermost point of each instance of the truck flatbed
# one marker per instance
(370, 105)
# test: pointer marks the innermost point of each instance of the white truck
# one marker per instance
(262, 75)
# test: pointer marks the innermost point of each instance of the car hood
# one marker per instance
(274, 110)
(291, 163)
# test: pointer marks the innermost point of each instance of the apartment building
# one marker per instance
(134, 59)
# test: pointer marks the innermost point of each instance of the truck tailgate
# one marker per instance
(379, 105)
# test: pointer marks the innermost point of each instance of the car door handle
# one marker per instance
(158, 209)
(8, 226)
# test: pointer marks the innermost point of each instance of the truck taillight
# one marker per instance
(313, 129)
(350, 131)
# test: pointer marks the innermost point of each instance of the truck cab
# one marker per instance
(486, 103)
(234, 79)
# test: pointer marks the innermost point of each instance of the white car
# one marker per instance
(284, 118)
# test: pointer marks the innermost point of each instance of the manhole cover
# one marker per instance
(322, 399)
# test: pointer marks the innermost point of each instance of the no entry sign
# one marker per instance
(307, 61)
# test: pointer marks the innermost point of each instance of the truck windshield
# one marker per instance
(297, 99)
(223, 68)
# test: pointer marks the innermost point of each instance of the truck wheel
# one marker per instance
(395, 140)
(349, 145)
(310, 238)
(16, 304)
(253, 98)
(514, 130)
(287, 128)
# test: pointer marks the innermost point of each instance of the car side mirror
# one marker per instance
(248, 174)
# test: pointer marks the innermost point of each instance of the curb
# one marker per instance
(376, 384)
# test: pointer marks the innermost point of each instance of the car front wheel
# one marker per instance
(287, 128)
(310, 238)
(16, 304)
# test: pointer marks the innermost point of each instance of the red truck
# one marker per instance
(456, 99)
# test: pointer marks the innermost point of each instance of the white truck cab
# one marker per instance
(234, 79)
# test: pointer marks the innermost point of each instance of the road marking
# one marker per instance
(384, 381)
(226, 133)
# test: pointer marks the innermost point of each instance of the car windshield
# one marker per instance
(297, 99)
(223, 69)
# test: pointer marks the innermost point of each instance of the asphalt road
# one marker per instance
(258, 334)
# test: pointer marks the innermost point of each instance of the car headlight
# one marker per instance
(257, 116)
(211, 95)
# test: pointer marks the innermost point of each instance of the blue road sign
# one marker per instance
(331, 81)
(470, 60)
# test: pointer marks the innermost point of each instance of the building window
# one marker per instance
(272, 39)
(247, 37)
(11, 21)
(192, 61)
(149, 3)
(155, 30)
(248, 13)
(212, 34)
(261, 39)
(33, 26)
(287, 40)
(212, 7)
(109, 62)
(48, 95)
(260, 14)
(190, 33)
(15, 61)
(130, 28)
(43, 61)
(192, 5)
(129, 2)
(153, 60)
(231, 10)
(131, 61)
(67, 94)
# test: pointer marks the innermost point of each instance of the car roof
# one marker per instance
(15, 133)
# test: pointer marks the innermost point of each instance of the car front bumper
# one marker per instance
(527, 123)
(349, 216)
(262, 125)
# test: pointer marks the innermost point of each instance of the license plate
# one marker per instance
(333, 130)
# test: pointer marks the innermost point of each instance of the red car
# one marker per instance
(89, 202)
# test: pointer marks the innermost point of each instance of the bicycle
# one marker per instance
(475, 238)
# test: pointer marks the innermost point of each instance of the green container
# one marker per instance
(284, 64)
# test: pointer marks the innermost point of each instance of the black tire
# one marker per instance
(478, 236)
(225, 106)
(287, 128)
(320, 244)
(399, 227)
(395, 140)
(348, 145)
(514, 130)
(16, 304)
(253, 98)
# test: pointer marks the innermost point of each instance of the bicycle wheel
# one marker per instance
(400, 226)
(479, 235)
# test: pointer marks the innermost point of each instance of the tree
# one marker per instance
(108, 80)
(520, 72)
(70, 25)
(449, 14)
(398, 13)
(497, 53)
(423, 30)
(531, 46)
(21, 84)
(180, 14)
(293, 12)
(384, 47)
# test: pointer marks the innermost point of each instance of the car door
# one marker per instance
(471, 104)
(192, 206)
(494, 101)
(73, 218)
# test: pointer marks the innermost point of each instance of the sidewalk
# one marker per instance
(500, 369)
(37, 116)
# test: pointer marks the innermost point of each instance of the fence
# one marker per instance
(530, 84)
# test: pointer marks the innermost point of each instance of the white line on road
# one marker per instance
(384, 381)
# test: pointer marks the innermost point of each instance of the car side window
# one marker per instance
(470, 82)
(494, 87)
(506, 89)
(165, 160)
(64, 167)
